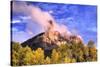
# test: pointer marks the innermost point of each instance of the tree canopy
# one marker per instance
(65, 53)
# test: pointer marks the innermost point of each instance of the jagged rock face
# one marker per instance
(76, 39)
(48, 41)
(45, 40)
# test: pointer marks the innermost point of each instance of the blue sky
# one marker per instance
(80, 19)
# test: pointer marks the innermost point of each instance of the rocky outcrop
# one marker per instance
(48, 41)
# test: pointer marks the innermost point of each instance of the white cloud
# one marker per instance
(21, 19)
(93, 29)
(25, 17)
(51, 11)
(70, 18)
(16, 21)
(14, 29)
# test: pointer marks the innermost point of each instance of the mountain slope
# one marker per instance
(48, 41)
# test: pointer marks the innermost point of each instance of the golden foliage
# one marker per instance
(65, 53)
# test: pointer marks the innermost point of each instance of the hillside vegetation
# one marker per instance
(66, 53)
